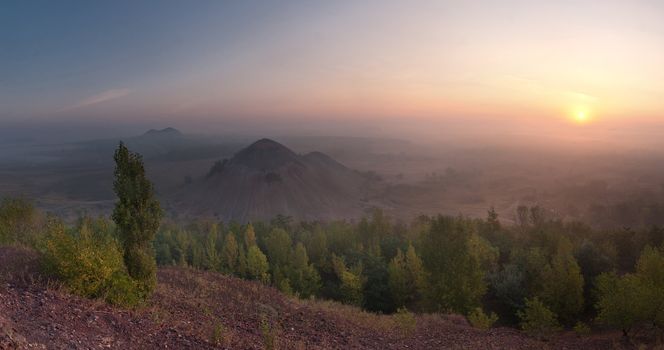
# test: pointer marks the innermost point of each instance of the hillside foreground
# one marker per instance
(194, 309)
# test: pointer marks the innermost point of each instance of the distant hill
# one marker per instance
(267, 179)
(167, 132)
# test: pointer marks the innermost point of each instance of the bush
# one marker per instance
(89, 264)
(18, 221)
(269, 334)
(479, 319)
(537, 320)
(218, 334)
(581, 328)
(405, 321)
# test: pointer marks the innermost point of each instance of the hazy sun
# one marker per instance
(581, 117)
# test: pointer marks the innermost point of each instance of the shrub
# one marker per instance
(218, 334)
(537, 320)
(88, 264)
(269, 334)
(479, 319)
(581, 328)
(405, 321)
(18, 221)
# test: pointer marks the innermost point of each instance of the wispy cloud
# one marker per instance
(99, 98)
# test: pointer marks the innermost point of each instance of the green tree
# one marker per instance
(241, 268)
(351, 284)
(622, 302)
(278, 244)
(537, 320)
(633, 299)
(562, 286)
(212, 256)
(257, 265)
(137, 215)
(398, 279)
(317, 247)
(303, 276)
(229, 254)
(456, 277)
(406, 277)
(249, 236)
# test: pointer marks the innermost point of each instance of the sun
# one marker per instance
(581, 116)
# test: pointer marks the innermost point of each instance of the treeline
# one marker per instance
(540, 274)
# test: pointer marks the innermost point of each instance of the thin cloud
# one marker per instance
(99, 98)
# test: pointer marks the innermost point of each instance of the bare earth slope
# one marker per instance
(201, 310)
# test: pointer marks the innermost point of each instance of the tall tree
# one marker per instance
(562, 285)
(212, 257)
(137, 215)
(230, 253)
(249, 236)
(406, 277)
(456, 277)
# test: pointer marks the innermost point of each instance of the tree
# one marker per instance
(317, 246)
(456, 277)
(249, 236)
(509, 287)
(137, 215)
(377, 296)
(278, 245)
(304, 277)
(406, 277)
(212, 257)
(241, 267)
(350, 282)
(628, 301)
(537, 320)
(562, 285)
(416, 274)
(257, 265)
(398, 279)
(622, 301)
(492, 220)
(229, 254)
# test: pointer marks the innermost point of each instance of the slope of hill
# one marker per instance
(267, 179)
(203, 310)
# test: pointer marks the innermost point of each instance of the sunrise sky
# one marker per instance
(575, 63)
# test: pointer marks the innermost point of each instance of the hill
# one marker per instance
(204, 310)
(267, 179)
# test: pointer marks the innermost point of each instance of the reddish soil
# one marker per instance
(202, 310)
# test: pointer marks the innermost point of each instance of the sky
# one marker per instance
(578, 67)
